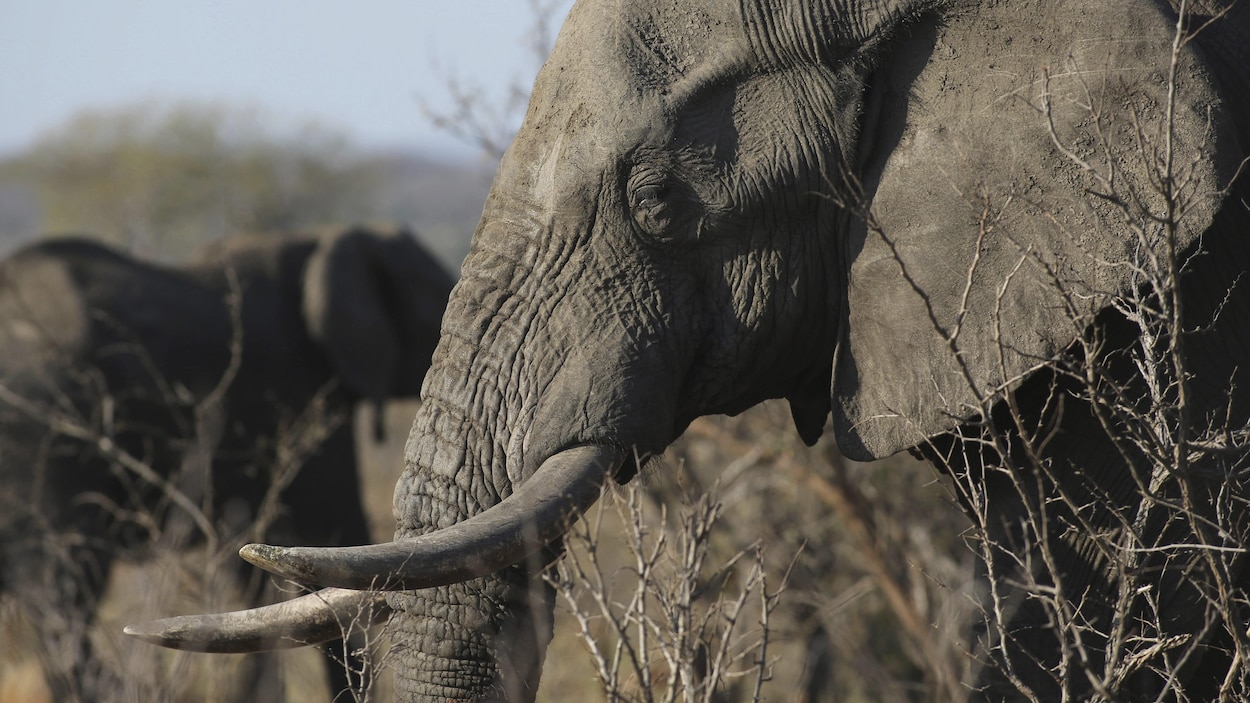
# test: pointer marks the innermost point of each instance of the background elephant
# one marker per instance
(141, 405)
(998, 234)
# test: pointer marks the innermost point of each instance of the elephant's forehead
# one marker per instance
(619, 73)
(644, 45)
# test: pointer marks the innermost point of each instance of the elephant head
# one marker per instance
(208, 372)
(370, 298)
(891, 212)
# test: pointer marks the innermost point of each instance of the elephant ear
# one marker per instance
(347, 312)
(1013, 147)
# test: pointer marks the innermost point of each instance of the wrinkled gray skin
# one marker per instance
(667, 238)
(681, 228)
(125, 349)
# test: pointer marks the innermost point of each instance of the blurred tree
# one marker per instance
(488, 122)
(160, 178)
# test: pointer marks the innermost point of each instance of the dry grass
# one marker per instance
(843, 593)
(172, 584)
(877, 578)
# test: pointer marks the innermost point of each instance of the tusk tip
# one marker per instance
(257, 553)
(276, 560)
(157, 632)
(135, 631)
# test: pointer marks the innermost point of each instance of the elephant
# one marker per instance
(989, 233)
(141, 401)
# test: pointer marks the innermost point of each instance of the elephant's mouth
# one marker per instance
(536, 514)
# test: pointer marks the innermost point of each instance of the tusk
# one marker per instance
(317, 617)
(538, 512)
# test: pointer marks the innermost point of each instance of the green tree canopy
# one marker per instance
(161, 178)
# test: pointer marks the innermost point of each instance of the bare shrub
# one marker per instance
(670, 624)
(877, 600)
(185, 537)
(487, 122)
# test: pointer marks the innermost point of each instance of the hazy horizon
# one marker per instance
(364, 70)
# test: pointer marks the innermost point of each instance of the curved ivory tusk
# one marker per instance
(317, 617)
(538, 512)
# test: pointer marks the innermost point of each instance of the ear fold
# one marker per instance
(987, 235)
(374, 301)
(346, 311)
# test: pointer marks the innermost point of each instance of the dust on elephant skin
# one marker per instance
(965, 229)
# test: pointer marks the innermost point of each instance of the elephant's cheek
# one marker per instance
(606, 394)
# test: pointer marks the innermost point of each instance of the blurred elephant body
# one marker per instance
(933, 222)
(141, 405)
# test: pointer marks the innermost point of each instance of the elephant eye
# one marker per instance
(650, 197)
(652, 210)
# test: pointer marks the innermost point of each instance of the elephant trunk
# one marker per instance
(476, 640)
(515, 436)
(518, 379)
(481, 639)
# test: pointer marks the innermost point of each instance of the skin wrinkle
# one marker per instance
(447, 427)
(759, 24)
(475, 381)
(789, 33)
(750, 288)
(629, 306)
(636, 37)
(452, 666)
(488, 397)
(528, 383)
(486, 391)
(557, 278)
(746, 147)
(719, 277)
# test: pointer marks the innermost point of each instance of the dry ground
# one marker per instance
(876, 606)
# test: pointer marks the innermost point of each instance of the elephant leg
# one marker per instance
(1026, 633)
(1209, 586)
(59, 590)
(324, 507)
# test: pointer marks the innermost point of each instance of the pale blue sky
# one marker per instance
(359, 66)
